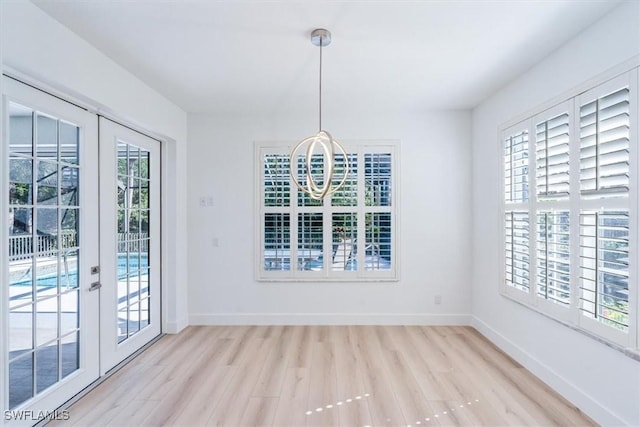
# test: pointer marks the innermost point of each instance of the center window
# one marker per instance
(349, 235)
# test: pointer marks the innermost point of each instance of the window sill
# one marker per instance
(325, 280)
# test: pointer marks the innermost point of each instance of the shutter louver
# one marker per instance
(517, 250)
(604, 145)
(276, 241)
(604, 264)
(276, 180)
(516, 170)
(553, 257)
(552, 158)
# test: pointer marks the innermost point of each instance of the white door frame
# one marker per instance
(88, 371)
(112, 352)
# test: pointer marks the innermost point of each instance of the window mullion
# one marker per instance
(574, 210)
(360, 210)
(531, 202)
(293, 224)
(596, 265)
(546, 255)
(597, 145)
(327, 236)
(634, 208)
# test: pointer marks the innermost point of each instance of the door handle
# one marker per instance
(95, 286)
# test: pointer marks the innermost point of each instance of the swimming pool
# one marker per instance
(128, 264)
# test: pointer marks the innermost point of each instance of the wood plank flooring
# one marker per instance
(323, 376)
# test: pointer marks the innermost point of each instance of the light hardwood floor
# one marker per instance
(323, 376)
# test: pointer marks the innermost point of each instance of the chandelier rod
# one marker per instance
(323, 140)
(320, 89)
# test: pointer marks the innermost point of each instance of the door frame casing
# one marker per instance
(112, 353)
(168, 199)
(39, 100)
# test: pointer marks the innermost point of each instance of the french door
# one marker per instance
(129, 241)
(82, 265)
(51, 312)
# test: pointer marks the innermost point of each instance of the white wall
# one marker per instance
(435, 222)
(601, 381)
(38, 47)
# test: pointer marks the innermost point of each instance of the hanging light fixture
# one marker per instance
(321, 143)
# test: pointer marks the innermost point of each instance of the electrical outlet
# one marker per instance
(203, 202)
(437, 300)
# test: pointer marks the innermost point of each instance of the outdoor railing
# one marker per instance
(22, 246)
(133, 242)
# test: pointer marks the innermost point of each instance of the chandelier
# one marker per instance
(322, 143)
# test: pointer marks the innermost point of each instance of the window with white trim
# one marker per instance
(349, 235)
(571, 248)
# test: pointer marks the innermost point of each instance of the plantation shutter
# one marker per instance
(516, 170)
(553, 257)
(604, 144)
(552, 158)
(571, 250)
(604, 265)
(517, 250)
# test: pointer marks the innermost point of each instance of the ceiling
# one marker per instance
(253, 56)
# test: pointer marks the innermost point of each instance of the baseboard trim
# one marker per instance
(577, 397)
(175, 327)
(328, 319)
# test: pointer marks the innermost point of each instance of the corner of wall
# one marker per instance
(548, 375)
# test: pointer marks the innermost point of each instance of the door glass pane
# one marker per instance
(20, 380)
(47, 137)
(69, 319)
(43, 251)
(69, 142)
(47, 183)
(133, 184)
(47, 230)
(46, 320)
(20, 180)
(20, 270)
(144, 280)
(69, 351)
(20, 130)
(46, 280)
(69, 224)
(46, 366)
(21, 332)
(144, 313)
(69, 186)
(69, 270)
